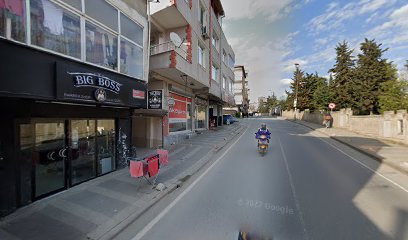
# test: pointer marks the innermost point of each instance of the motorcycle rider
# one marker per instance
(263, 131)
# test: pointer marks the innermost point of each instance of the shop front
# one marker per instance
(201, 106)
(63, 122)
(179, 122)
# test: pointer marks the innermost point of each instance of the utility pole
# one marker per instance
(296, 88)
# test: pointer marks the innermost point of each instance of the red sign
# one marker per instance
(332, 106)
(138, 94)
(179, 110)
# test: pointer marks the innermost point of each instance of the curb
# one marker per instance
(369, 154)
(115, 231)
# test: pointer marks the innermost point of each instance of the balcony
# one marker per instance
(168, 47)
(171, 62)
(215, 90)
(171, 14)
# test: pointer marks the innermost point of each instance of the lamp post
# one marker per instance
(296, 88)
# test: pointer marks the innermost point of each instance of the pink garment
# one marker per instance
(136, 169)
(14, 6)
(163, 156)
(2, 4)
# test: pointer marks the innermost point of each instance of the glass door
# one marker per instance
(49, 155)
(106, 146)
(83, 147)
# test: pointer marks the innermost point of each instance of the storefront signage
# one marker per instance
(155, 99)
(179, 110)
(83, 84)
(138, 94)
(95, 81)
(199, 101)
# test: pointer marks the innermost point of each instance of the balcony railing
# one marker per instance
(167, 47)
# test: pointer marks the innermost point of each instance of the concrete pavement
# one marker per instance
(392, 154)
(100, 208)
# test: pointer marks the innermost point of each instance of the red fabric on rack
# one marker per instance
(136, 169)
(163, 156)
(153, 166)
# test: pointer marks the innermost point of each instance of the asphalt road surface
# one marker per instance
(306, 187)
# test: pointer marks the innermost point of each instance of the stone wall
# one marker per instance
(390, 125)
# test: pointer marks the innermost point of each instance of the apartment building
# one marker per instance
(241, 90)
(194, 73)
(72, 73)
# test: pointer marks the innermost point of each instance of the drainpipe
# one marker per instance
(210, 31)
(221, 75)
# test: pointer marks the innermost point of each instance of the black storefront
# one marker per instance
(62, 122)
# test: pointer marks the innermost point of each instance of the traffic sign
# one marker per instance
(332, 106)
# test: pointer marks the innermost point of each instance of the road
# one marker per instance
(307, 187)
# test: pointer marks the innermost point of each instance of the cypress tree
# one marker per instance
(372, 70)
(341, 86)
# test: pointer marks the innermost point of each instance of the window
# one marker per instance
(131, 30)
(214, 73)
(12, 20)
(74, 3)
(201, 14)
(231, 85)
(224, 56)
(215, 41)
(224, 82)
(103, 12)
(54, 28)
(201, 56)
(101, 47)
(131, 59)
(231, 62)
(58, 27)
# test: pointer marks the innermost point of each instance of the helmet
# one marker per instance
(263, 126)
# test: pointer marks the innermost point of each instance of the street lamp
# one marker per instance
(296, 88)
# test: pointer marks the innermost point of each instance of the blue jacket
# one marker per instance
(263, 132)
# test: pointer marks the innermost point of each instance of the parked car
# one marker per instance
(228, 119)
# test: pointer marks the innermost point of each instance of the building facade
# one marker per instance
(72, 71)
(192, 64)
(241, 90)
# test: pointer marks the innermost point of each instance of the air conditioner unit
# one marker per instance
(204, 32)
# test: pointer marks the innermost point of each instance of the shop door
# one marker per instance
(48, 155)
(82, 150)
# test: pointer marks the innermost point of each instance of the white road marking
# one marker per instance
(294, 192)
(362, 164)
(151, 224)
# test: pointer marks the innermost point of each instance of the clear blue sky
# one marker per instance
(269, 36)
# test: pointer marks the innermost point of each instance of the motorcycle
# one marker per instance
(263, 144)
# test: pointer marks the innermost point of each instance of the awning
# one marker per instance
(150, 112)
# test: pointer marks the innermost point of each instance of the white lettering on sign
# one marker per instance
(95, 81)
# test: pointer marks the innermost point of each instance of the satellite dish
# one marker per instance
(176, 39)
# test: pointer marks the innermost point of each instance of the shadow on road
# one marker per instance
(340, 199)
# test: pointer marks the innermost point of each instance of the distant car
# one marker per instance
(228, 118)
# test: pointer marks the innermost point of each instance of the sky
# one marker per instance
(270, 36)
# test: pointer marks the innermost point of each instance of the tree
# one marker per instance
(321, 96)
(298, 89)
(393, 93)
(371, 72)
(341, 86)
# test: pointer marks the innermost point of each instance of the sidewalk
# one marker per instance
(102, 207)
(394, 155)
